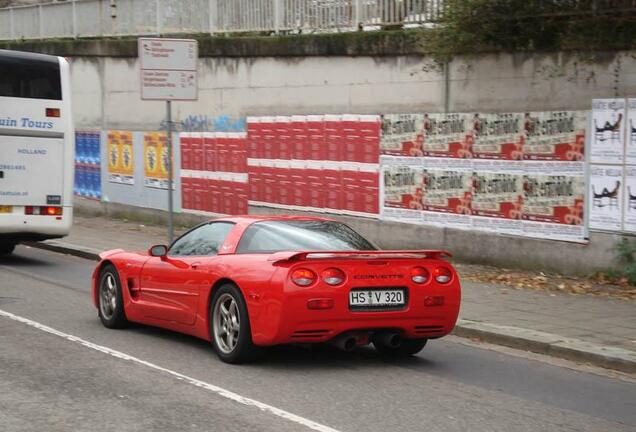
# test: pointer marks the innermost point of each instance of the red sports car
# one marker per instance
(250, 281)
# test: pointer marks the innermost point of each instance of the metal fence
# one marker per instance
(90, 18)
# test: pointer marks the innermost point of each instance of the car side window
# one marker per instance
(202, 241)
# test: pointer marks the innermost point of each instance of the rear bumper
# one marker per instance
(295, 323)
(18, 227)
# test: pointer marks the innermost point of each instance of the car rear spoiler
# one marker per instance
(279, 257)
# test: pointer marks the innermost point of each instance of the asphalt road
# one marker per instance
(76, 375)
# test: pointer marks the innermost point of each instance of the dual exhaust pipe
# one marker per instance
(348, 341)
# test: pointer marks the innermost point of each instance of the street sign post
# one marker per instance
(169, 73)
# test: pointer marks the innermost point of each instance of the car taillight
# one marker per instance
(443, 275)
(333, 276)
(420, 275)
(303, 277)
(43, 211)
(52, 112)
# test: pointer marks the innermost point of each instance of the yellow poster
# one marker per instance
(121, 160)
(156, 160)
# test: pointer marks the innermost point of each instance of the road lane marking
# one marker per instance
(201, 384)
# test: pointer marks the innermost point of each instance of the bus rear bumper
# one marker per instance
(19, 227)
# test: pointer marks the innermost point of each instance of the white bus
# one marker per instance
(36, 148)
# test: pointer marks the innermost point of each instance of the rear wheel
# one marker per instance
(408, 347)
(230, 326)
(7, 248)
(110, 300)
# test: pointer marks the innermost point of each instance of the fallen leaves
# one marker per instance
(599, 285)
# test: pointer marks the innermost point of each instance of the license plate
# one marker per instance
(377, 298)
(6, 209)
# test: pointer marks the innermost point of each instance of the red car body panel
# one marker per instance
(175, 293)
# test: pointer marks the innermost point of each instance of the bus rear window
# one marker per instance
(31, 78)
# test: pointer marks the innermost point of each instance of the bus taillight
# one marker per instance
(52, 112)
(43, 211)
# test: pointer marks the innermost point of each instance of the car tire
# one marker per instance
(7, 249)
(408, 347)
(229, 324)
(110, 304)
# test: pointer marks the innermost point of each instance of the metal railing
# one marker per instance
(91, 18)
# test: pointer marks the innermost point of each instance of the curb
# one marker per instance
(514, 337)
(66, 248)
(549, 344)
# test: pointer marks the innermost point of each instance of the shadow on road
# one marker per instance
(16, 260)
(291, 357)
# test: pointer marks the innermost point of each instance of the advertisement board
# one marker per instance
(402, 134)
(403, 192)
(554, 135)
(606, 200)
(630, 135)
(497, 136)
(554, 201)
(447, 196)
(497, 201)
(607, 131)
(155, 160)
(629, 200)
(121, 161)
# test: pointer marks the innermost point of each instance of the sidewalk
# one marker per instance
(587, 329)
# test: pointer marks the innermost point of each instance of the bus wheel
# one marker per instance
(6, 249)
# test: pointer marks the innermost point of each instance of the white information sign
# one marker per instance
(168, 69)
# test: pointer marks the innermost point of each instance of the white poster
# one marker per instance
(607, 131)
(629, 203)
(605, 197)
(630, 152)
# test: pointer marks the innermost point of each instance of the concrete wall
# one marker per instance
(106, 89)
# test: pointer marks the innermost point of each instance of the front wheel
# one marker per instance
(110, 300)
(230, 326)
(7, 248)
(407, 348)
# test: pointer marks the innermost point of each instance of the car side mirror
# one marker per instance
(158, 251)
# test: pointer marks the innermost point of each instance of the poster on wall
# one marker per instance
(497, 136)
(445, 135)
(447, 192)
(607, 131)
(629, 202)
(605, 197)
(155, 160)
(497, 201)
(403, 193)
(630, 136)
(402, 134)
(553, 205)
(121, 163)
(554, 135)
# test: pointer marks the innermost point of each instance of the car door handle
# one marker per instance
(195, 265)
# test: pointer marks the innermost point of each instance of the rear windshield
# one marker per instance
(277, 236)
(33, 78)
